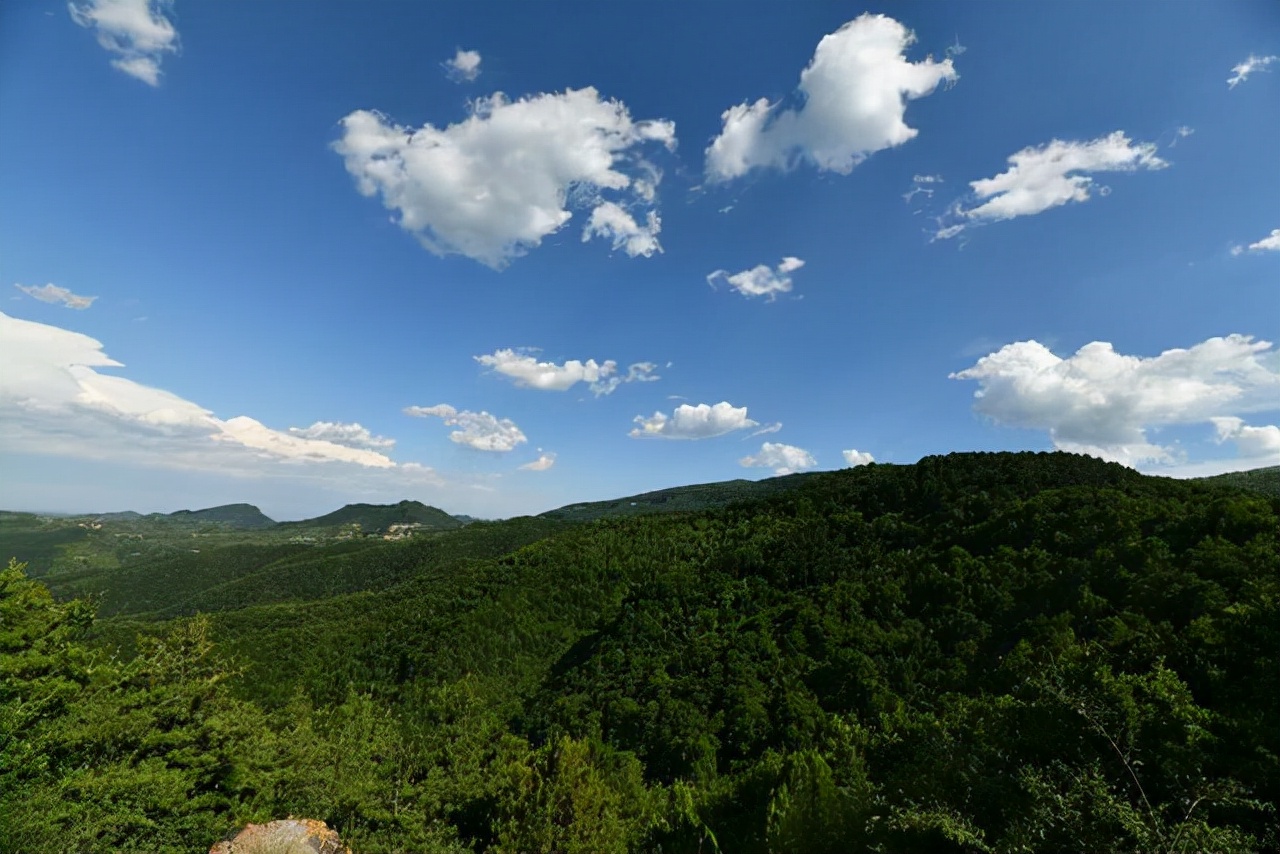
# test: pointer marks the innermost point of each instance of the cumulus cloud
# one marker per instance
(760, 280)
(783, 459)
(1241, 72)
(1047, 176)
(478, 430)
(610, 221)
(1270, 243)
(1103, 403)
(853, 457)
(853, 96)
(693, 422)
(1262, 443)
(350, 435)
(492, 186)
(136, 32)
(602, 378)
(542, 463)
(53, 293)
(465, 66)
(55, 399)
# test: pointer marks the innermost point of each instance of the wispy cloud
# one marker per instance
(136, 32)
(922, 185)
(1241, 72)
(542, 463)
(54, 294)
(1048, 176)
(760, 280)
(478, 430)
(55, 399)
(765, 430)
(352, 435)
(610, 220)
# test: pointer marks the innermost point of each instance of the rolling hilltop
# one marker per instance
(380, 517)
(78, 547)
(702, 496)
(1258, 480)
(244, 517)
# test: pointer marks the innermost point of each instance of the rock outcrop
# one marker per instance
(289, 836)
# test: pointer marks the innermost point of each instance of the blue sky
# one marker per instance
(504, 257)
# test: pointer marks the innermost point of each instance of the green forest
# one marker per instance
(975, 653)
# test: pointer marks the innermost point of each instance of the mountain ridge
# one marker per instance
(379, 517)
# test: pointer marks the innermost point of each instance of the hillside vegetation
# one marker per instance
(1258, 480)
(980, 652)
(380, 517)
(241, 516)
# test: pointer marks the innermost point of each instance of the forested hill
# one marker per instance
(977, 653)
(1257, 480)
(702, 496)
(239, 516)
(380, 517)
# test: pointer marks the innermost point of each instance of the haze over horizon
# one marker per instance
(414, 251)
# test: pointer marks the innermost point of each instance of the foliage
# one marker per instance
(986, 652)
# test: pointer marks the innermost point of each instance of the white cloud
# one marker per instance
(640, 372)
(542, 463)
(1050, 175)
(54, 400)
(693, 422)
(492, 186)
(767, 429)
(783, 459)
(610, 220)
(853, 457)
(350, 435)
(1102, 403)
(53, 293)
(1270, 243)
(253, 434)
(603, 378)
(922, 184)
(479, 430)
(1241, 72)
(135, 31)
(854, 92)
(760, 280)
(465, 66)
(1262, 443)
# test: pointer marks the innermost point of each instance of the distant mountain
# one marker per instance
(701, 496)
(123, 516)
(241, 516)
(1266, 480)
(379, 517)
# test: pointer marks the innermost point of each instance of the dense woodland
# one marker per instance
(980, 652)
